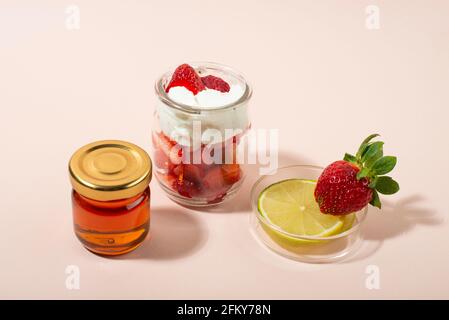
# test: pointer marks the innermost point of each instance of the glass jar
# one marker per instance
(199, 150)
(111, 196)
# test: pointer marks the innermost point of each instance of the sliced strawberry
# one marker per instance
(182, 185)
(186, 188)
(167, 179)
(162, 161)
(185, 76)
(216, 83)
(213, 180)
(230, 151)
(231, 173)
(170, 148)
(193, 173)
(214, 186)
(178, 171)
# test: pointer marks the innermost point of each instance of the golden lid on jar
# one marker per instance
(110, 170)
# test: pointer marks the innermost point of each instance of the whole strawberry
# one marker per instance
(348, 185)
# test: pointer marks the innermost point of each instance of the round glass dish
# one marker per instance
(311, 249)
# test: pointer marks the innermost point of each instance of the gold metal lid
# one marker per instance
(110, 170)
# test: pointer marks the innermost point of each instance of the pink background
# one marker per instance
(319, 75)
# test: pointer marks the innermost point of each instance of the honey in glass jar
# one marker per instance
(111, 196)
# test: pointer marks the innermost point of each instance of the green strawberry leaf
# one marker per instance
(373, 183)
(370, 137)
(350, 158)
(384, 165)
(375, 201)
(365, 172)
(372, 153)
(386, 185)
(365, 144)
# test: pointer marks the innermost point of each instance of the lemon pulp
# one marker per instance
(290, 205)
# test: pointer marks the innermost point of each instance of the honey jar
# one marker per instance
(111, 196)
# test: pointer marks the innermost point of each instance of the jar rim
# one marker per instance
(163, 96)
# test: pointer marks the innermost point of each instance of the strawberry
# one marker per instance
(216, 83)
(178, 170)
(186, 188)
(162, 161)
(185, 76)
(214, 180)
(231, 173)
(348, 185)
(167, 179)
(229, 150)
(169, 148)
(214, 186)
(339, 192)
(193, 172)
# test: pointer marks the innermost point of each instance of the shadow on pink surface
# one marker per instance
(174, 233)
(395, 219)
(398, 218)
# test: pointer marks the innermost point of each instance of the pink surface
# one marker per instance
(319, 75)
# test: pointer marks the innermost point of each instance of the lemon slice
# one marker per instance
(291, 206)
(348, 221)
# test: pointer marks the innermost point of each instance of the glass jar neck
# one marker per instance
(113, 204)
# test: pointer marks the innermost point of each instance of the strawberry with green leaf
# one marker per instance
(348, 185)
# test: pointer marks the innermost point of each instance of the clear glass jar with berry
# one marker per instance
(198, 133)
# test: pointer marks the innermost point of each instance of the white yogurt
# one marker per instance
(205, 99)
(178, 125)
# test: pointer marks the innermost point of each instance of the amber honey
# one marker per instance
(111, 227)
(111, 197)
